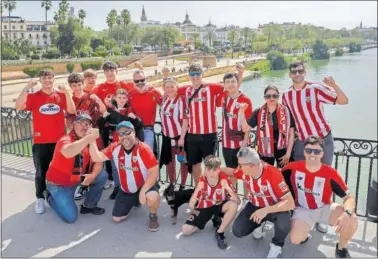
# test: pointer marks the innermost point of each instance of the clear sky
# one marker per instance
(330, 14)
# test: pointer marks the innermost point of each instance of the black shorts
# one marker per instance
(124, 202)
(229, 155)
(199, 217)
(200, 146)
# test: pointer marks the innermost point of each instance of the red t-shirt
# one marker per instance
(132, 168)
(314, 190)
(266, 190)
(145, 104)
(210, 196)
(48, 117)
(61, 168)
(86, 104)
(106, 89)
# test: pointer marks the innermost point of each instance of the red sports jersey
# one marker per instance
(172, 113)
(60, 169)
(48, 116)
(132, 168)
(105, 89)
(232, 113)
(145, 104)
(202, 108)
(306, 105)
(85, 104)
(210, 196)
(268, 189)
(314, 190)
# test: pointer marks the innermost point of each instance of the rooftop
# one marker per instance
(25, 234)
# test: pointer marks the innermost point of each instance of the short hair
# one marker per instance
(195, 67)
(138, 71)
(249, 155)
(314, 140)
(271, 87)
(89, 73)
(212, 162)
(296, 63)
(109, 65)
(230, 75)
(120, 91)
(46, 72)
(165, 68)
(75, 78)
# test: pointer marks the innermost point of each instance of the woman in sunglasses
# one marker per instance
(172, 112)
(275, 128)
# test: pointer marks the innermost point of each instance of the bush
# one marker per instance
(354, 47)
(262, 66)
(320, 50)
(70, 67)
(35, 56)
(277, 60)
(116, 51)
(34, 71)
(52, 53)
(339, 52)
(9, 54)
(178, 52)
(101, 51)
(96, 65)
(127, 48)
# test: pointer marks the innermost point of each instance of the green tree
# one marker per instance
(109, 43)
(197, 43)
(82, 38)
(111, 19)
(246, 35)
(82, 14)
(10, 5)
(320, 50)
(232, 38)
(118, 22)
(127, 48)
(46, 4)
(125, 15)
(66, 39)
(63, 11)
(261, 46)
(276, 60)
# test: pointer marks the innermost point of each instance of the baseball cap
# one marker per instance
(126, 124)
(82, 116)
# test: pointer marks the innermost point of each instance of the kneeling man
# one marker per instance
(138, 173)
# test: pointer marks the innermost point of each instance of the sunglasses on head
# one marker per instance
(300, 71)
(195, 73)
(139, 80)
(124, 133)
(271, 96)
(313, 150)
(169, 79)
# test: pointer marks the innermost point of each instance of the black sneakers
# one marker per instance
(94, 211)
(343, 253)
(217, 221)
(114, 193)
(221, 240)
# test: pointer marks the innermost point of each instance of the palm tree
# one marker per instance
(231, 37)
(82, 14)
(125, 14)
(10, 5)
(47, 5)
(111, 19)
(118, 22)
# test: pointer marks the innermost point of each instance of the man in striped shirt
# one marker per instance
(305, 101)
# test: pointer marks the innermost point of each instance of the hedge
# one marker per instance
(70, 67)
(34, 71)
(35, 57)
(96, 65)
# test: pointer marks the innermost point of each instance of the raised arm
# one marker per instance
(72, 149)
(21, 99)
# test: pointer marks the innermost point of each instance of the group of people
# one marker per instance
(96, 136)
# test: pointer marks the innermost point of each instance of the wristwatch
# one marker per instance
(349, 212)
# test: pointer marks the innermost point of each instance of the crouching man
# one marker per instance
(269, 199)
(137, 170)
(313, 184)
(212, 193)
(71, 165)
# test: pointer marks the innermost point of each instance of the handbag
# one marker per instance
(233, 135)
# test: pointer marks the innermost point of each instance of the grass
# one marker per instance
(22, 147)
(182, 59)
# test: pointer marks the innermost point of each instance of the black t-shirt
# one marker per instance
(253, 122)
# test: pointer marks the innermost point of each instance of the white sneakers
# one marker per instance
(108, 184)
(322, 228)
(258, 233)
(274, 251)
(40, 206)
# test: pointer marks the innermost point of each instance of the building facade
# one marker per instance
(37, 32)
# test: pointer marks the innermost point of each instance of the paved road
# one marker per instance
(25, 234)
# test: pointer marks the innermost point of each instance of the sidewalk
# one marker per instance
(25, 234)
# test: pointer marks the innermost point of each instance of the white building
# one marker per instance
(144, 23)
(37, 32)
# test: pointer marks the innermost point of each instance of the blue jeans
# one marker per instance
(149, 138)
(62, 198)
(115, 174)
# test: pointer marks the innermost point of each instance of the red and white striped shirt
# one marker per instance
(314, 190)
(306, 105)
(132, 168)
(210, 196)
(172, 113)
(202, 117)
(232, 114)
(268, 189)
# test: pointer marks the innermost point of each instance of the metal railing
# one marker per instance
(355, 159)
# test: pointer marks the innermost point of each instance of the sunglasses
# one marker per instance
(140, 80)
(195, 73)
(313, 150)
(271, 96)
(300, 71)
(241, 165)
(124, 133)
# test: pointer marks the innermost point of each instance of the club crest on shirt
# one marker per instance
(264, 188)
(135, 158)
(237, 105)
(219, 191)
(122, 166)
(308, 99)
